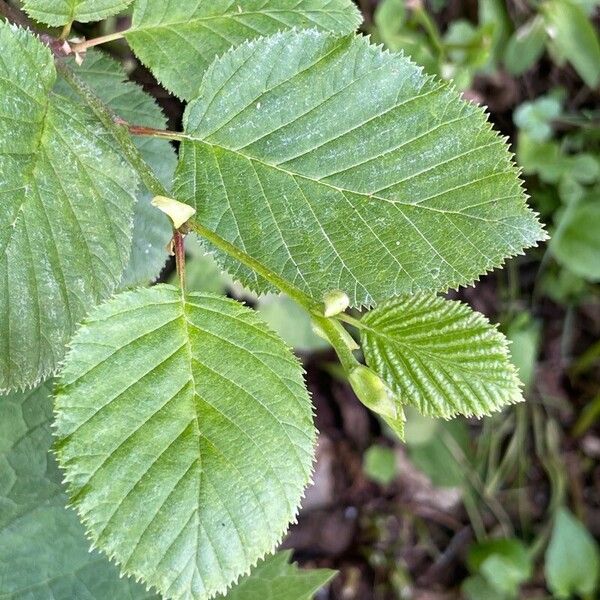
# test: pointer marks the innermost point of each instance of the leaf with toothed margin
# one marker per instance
(275, 579)
(440, 356)
(152, 230)
(43, 551)
(186, 434)
(178, 40)
(342, 167)
(60, 12)
(67, 201)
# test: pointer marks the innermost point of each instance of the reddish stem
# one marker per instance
(179, 248)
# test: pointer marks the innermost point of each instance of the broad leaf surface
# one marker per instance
(152, 229)
(186, 433)
(340, 166)
(43, 551)
(275, 579)
(59, 12)
(67, 202)
(178, 40)
(440, 356)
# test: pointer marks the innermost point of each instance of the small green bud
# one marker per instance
(372, 391)
(335, 302)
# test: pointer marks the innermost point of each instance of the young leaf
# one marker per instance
(440, 356)
(572, 559)
(275, 579)
(59, 12)
(152, 230)
(43, 550)
(186, 434)
(67, 205)
(340, 166)
(178, 40)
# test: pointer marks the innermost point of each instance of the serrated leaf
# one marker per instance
(151, 230)
(340, 166)
(43, 551)
(440, 356)
(178, 40)
(59, 12)
(67, 204)
(186, 434)
(275, 579)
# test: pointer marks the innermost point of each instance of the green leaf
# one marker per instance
(505, 563)
(576, 244)
(65, 227)
(59, 12)
(275, 579)
(43, 551)
(186, 434)
(380, 464)
(572, 559)
(440, 356)
(575, 37)
(525, 46)
(152, 230)
(291, 322)
(340, 166)
(178, 40)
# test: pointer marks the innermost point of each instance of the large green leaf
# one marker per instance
(43, 551)
(440, 356)
(276, 579)
(340, 166)
(178, 40)
(152, 229)
(186, 433)
(59, 12)
(67, 202)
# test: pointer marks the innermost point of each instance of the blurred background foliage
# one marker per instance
(506, 507)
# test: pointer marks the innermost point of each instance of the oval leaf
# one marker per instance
(340, 166)
(43, 551)
(186, 434)
(440, 356)
(67, 204)
(178, 40)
